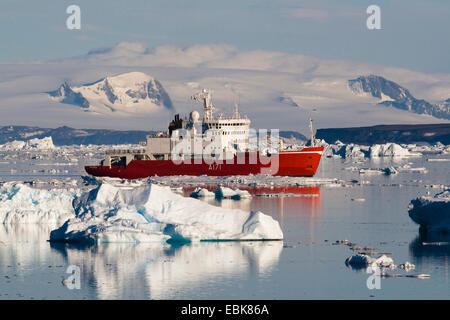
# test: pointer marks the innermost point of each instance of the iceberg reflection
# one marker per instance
(154, 271)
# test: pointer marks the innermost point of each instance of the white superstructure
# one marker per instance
(219, 137)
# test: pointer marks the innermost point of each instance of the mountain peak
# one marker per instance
(126, 92)
(391, 94)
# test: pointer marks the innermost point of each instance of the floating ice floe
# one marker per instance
(259, 180)
(236, 194)
(432, 213)
(407, 266)
(366, 260)
(388, 170)
(20, 203)
(123, 212)
(202, 193)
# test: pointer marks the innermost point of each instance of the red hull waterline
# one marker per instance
(302, 163)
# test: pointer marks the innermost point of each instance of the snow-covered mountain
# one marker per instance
(392, 94)
(275, 89)
(127, 92)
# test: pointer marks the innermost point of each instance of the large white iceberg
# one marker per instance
(432, 213)
(19, 203)
(390, 150)
(122, 212)
(45, 143)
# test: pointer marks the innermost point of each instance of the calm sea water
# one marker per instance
(306, 265)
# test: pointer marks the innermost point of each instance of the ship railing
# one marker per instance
(124, 151)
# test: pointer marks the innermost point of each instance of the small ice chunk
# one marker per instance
(407, 266)
(202, 193)
(390, 170)
(366, 260)
(236, 194)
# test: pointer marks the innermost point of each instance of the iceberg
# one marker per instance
(45, 143)
(236, 194)
(432, 213)
(20, 203)
(125, 212)
(202, 193)
(390, 150)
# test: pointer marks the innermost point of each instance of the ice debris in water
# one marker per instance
(407, 266)
(366, 260)
(224, 192)
(19, 203)
(432, 213)
(202, 193)
(354, 151)
(123, 212)
(221, 193)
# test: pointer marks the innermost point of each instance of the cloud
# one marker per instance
(259, 77)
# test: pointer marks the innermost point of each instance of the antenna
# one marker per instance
(208, 107)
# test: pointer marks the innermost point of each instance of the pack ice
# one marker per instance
(432, 213)
(130, 212)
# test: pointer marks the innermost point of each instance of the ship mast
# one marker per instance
(208, 107)
(313, 138)
(236, 114)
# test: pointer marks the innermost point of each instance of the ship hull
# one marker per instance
(302, 163)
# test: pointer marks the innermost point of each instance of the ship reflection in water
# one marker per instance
(278, 202)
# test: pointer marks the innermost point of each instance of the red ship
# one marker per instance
(215, 146)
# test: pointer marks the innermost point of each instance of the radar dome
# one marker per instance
(195, 116)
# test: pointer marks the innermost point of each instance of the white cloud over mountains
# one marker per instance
(264, 81)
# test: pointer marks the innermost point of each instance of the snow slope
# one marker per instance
(125, 92)
(309, 86)
(392, 94)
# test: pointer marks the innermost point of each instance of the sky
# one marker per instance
(414, 34)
